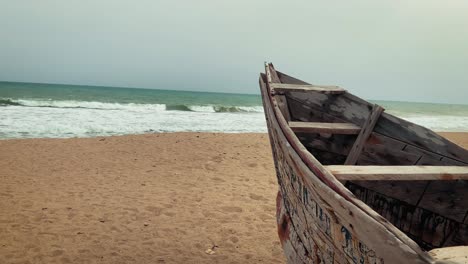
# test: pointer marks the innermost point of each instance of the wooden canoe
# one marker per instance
(358, 185)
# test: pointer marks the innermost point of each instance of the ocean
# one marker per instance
(30, 110)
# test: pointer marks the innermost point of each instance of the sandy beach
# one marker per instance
(155, 198)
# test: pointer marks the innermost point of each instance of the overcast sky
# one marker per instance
(390, 50)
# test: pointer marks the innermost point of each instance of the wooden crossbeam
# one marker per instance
(366, 130)
(398, 173)
(332, 128)
(286, 87)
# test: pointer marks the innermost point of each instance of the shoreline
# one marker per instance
(451, 135)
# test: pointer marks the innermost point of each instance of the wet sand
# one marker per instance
(160, 198)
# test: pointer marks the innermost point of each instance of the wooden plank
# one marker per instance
(273, 79)
(398, 173)
(405, 191)
(447, 161)
(353, 109)
(339, 144)
(262, 82)
(421, 137)
(408, 152)
(326, 157)
(272, 76)
(285, 87)
(425, 226)
(318, 127)
(447, 198)
(451, 254)
(283, 106)
(387, 155)
(380, 149)
(305, 113)
(364, 135)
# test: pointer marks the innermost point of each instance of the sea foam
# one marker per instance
(61, 119)
(129, 106)
(33, 118)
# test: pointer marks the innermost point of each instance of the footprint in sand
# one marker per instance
(217, 179)
(248, 256)
(254, 196)
(217, 159)
(84, 251)
(266, 217)
(231, 209)
(148, 243)
(209, 166)
(170, 214)
(56, 253)
(65, 260)
(154, 209)
(208, 214)
(115, 229)
(134, 210)
(269, 208)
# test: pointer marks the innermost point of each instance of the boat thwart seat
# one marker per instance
(398, 173)
(286, 87)
(331, 128)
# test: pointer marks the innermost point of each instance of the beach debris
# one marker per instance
(44, 208)
(211, 250)
(102, 139)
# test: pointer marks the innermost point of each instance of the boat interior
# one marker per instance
(410, 175)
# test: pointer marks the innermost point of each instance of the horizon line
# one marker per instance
(129, 87)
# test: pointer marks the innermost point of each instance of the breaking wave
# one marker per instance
(6, 102)
(130, 106)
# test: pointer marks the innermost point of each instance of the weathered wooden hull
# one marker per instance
(320, 220)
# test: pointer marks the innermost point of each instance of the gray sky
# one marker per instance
(390, 50)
